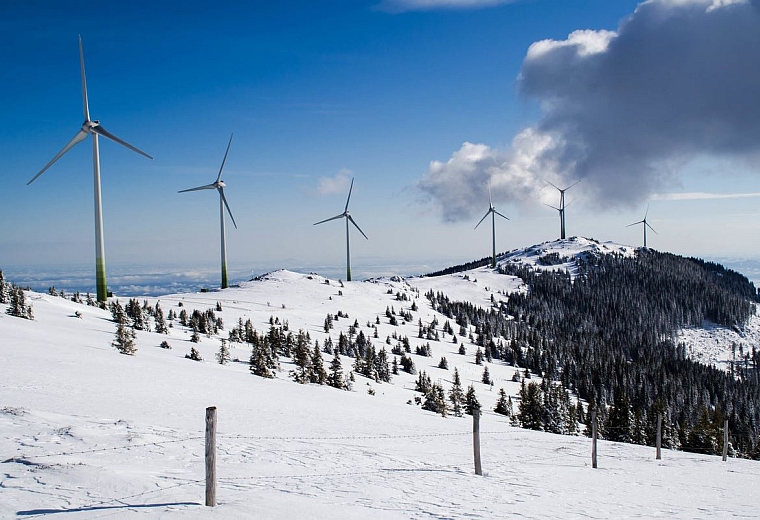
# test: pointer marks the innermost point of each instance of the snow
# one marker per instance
(87, 431)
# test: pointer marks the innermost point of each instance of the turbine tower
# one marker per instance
(646, 224)
(219, 185)
(348, 218)
(562, 206)
(93, 128)
(493, 213)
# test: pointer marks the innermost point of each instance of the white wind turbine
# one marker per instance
(93, 128)
(562, 206)
(493, 212)
(219, 186)
(646, 224)
(348, 218)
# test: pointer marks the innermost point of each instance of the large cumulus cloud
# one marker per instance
(624, 110)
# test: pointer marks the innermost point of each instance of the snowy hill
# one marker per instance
(93, 433)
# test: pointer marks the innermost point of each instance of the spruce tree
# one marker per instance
(160, 322)
(223, 356)
(502, 405)
(302, 359)
(486, 379)
(471, 401)
(456, 395)
(260, 361)
(194, 355)
(125, 340)
(335, 378)
(435, 400)
(4, 296)
(318, 374)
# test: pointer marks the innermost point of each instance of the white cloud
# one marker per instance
(339, 183)
(702, 196)
(400, 6)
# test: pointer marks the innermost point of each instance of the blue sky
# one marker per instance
(318, 93)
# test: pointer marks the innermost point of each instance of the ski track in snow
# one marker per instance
(94, 434)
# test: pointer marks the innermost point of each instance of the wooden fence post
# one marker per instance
(476, 439)
(725, 440)
(211, 456)
(659, 436)
(593, 439)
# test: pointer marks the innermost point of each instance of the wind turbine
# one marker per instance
(562, 206)
(646, 224)
(93, 128)
(348, 218)
(493, 213)
(219, 185)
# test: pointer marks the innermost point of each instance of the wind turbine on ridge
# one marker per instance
(348, 218)
(562, 206)
(219, 185)
(646, 224)
(93, 128)
(493, 212)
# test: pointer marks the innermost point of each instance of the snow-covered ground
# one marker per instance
(95, 434)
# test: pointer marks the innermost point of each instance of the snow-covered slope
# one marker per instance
(564, 254)
(87, 431)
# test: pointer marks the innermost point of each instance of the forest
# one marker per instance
(609, 337)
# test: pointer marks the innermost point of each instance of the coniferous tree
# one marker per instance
(194, 355)
(443, 363)
(503, 406)
(318, 373)
(435, 400)
(4, 289)
(486, 379)
(456, 395)
(302, 359)
(261, 362)
(471, 401)
(160, 322)
(335, 378)
(125, 340)
(223, 356)
(530, 409)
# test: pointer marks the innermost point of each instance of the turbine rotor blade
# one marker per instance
(81, 136)
(224, 199)
(552, 207)
(219, 177)
(650, 227)
(105, 133)
(573, 184)
(331, 218)
(349, 194)
(635, 223)
(206, 187)
(84, 82)
(502, 216)
(549, 182)
(484, 217)
(647, 212)
(356, 225)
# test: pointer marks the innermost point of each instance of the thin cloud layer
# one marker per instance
(626, 110)
(339, 183)
(401, 6)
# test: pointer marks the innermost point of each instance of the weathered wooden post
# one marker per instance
(476, 439)
(211, 456)
(725, 440)
(659, 436)
(593, 439)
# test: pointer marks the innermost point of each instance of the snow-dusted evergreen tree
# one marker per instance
(486, 379)
(435, 400)
(194, 355)
(335, 378)
(223, 356)
(302, 359)
(117, 312)
(443, 363)
(4, 289)
(195, 337)
(261, 362)
(471, 401)
(318, 374)
(160, 322)
(18, 306)
(125, 339)
(503, 406)
(529, 411)
(382, 368)
(456, 395)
